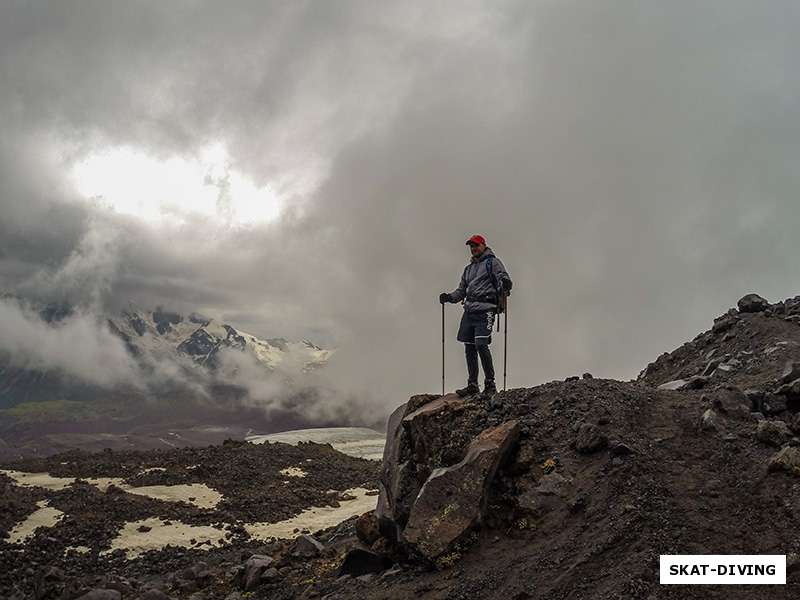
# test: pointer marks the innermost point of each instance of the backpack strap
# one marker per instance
(490, 272)
(501, 299)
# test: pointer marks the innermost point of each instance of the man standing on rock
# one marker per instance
(483, 285)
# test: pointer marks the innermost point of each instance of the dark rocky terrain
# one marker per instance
(571, 489)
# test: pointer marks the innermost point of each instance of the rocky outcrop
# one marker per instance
(453, 499)
(436, 473)
(399, 482)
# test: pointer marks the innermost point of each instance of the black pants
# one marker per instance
(475, 331)
(473, 352)
(476, 327)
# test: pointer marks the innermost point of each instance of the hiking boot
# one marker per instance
(489, 390)
(472, 388)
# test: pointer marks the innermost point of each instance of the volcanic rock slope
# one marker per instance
(571, 489)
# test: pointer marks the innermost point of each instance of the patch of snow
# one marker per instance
(316, 518)
(198, 494)
(43, 516)
(48, 482)
(293, 472)
(360, 442)
(135, 542)
(202, 495)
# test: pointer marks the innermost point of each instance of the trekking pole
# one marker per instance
(442, 348)
(505, 344)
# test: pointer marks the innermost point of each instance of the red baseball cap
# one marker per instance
(476, 239)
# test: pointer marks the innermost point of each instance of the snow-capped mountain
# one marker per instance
(162, 334)
(171, 351)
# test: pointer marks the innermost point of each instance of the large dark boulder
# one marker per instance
(752, 303)
(254, 568)
(453, 499)
(397, 482)
(359, 562)
(423, 434)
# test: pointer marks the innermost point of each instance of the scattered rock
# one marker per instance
(270, 574)
(677, 384)
(590, 439)
(307, 546)
(618, 448)
(731, 401)
(367, 528)
(588, 376)
(791, 390)
(254, 568)
(794, 423)
(724, 323)
(551, 492)
(774, 433)
(358, 562)
(773, 404)
(791, 371)
(752, 303)
(693, 383)
(710, 421)
(787, 459)
(756, 398)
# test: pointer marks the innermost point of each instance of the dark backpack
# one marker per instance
(501, 294)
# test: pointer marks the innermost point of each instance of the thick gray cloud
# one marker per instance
(30, 343)
(631, 162)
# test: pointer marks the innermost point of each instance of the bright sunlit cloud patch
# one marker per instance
(134, 183)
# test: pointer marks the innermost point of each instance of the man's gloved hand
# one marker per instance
(507, 285)
(444, 297)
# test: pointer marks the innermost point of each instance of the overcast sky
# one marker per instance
(633, 164)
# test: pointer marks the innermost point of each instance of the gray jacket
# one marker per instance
(476, 288)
